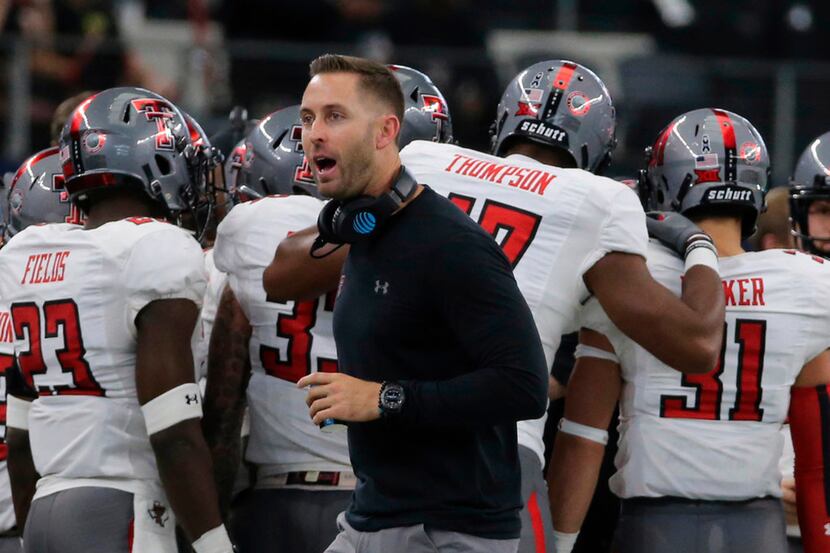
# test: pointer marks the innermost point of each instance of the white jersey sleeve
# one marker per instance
(623, 228)
(288, 340)
(167, 264)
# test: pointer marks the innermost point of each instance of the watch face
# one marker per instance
(392, 397)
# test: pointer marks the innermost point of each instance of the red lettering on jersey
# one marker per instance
(542, 183)
(742, 282)
(524, 178)
(492, 171)
(758, 291)
(45, 268)
(6, 327)
(465, 166)
(455, 158)
(743, 297)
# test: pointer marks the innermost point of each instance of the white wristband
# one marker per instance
(583, 431)
(564, 542)
(214, 541)
(590, 351)
(702, 254)
(17, 413)
(172, 407)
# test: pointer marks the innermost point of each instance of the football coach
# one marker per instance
(438, 352)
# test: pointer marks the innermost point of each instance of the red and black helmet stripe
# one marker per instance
(73, 164)
(561, 82)
(31, 162)
(730, 160)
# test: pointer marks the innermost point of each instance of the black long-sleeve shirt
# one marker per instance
(431, 303)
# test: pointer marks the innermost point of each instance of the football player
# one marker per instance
(697, 467)
(568, 233)
(37, 196)
(810, 198)
(102, 317)
(303, 475)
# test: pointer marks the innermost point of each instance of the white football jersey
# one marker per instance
(216, 281)
(553, 224)
(717, 436)
(7, 520)
(74, 295)
(288, 340)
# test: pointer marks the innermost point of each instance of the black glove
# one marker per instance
(677, 232)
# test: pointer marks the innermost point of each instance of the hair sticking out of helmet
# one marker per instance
(36, 195)
(809, 190)
(132, 138)
(559, 104)
(426, 114)
(708, 162)
(273, 161)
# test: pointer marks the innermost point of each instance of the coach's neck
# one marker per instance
(387, 171)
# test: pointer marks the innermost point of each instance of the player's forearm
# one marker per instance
(703, 328)
(185, 468)
(294, 275)
(22, 473)
(228, 373)
(651, 315)
(572, 479)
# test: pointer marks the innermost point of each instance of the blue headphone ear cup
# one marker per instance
(357, 219)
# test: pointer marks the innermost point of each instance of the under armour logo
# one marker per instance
(381, 287)
(191, 399)
(158, 513)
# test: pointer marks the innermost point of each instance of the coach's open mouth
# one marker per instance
(325, 166)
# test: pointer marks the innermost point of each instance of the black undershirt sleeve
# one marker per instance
(478, 295)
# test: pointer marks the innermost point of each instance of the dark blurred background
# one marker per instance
(764, 59)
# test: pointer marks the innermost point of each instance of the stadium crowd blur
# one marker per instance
(209, 55)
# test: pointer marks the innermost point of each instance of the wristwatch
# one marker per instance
(391, 399)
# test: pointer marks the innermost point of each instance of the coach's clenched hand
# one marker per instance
(342, 397)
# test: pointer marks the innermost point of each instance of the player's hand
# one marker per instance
(677, 232)
(788, 501)
(341, 397)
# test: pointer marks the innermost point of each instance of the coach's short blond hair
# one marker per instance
(375, 78)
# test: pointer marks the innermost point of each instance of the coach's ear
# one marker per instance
(390, 127)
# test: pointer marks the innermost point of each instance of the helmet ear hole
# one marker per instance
(163, 165)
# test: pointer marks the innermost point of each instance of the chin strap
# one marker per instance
(810, 427)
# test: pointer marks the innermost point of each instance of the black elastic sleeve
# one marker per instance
(16, 385)
(481, 302)
(563, 362)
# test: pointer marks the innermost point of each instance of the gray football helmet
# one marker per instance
(273, 161)
(132, 137)
(708, 159)
(562, 104)
(35, 194)
(810, 182)
(426, 115)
